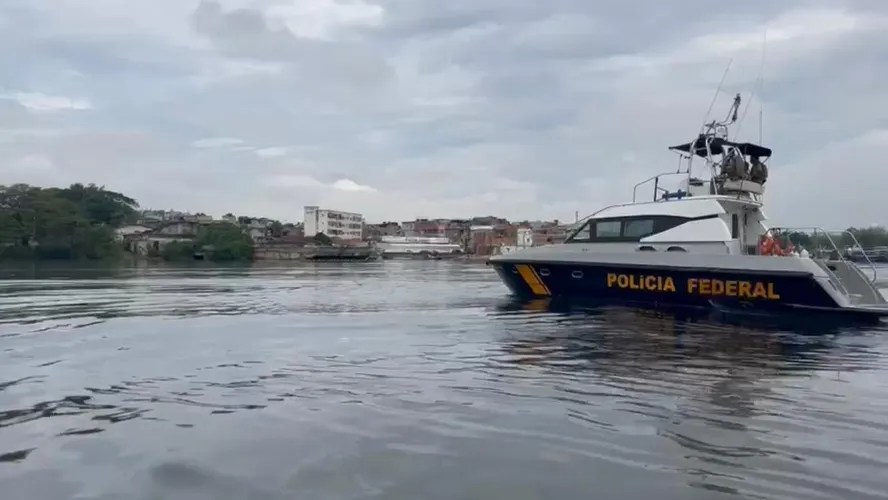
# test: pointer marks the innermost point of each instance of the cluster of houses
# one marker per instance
(478, 235)
(156, 228)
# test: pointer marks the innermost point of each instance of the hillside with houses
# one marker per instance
(91, 222)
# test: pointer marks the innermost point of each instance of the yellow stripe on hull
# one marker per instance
(533, 280)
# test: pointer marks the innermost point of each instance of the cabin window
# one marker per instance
(629, 229)
(638, 228)
(735, 226)
(608, 229)
(583, 235)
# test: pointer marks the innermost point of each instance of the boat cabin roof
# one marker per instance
(718, 146)
(694, 206)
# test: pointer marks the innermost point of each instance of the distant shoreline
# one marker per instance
(140, 261)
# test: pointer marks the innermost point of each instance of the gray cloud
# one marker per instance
(404, 108)
(247, 33)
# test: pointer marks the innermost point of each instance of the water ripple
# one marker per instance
(420, 379)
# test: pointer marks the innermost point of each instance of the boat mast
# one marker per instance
(705, 126)
(762, 83)
(713, 130)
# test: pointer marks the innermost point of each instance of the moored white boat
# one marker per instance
(417, 247)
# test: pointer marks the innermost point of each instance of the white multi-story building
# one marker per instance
(333, 223)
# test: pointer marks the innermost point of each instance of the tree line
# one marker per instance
(79, 222)
(76, 222)
(867, 237)
(220, 242)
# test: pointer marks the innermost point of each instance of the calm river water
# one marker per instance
(417, 380)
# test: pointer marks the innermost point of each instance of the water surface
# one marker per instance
(405, 380)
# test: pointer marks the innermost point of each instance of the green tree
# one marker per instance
(800, 239)
(868, 238)
(875, 236)
(276, 229)
(322, 239)
(224, 241)
(177, 250)
(16, 215)
(71, 223)
(100, 205)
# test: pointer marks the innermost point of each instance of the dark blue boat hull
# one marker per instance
(663, 286)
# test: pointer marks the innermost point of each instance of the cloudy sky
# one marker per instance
(404, 108)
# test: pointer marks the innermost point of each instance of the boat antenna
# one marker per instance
(717, 91)
(705, 126)
(716, 127)
(760, 84)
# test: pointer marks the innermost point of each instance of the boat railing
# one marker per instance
(656, 181)
(820, 237)
(856, 244)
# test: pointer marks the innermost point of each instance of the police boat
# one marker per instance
(705, 244)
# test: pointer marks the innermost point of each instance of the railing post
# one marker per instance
(865, 256)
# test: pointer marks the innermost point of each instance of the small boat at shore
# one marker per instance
(705, 244)
(418, 248)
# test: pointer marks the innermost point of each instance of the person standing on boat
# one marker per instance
(768, 245)
(758, 172)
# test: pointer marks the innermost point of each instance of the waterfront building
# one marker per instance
(375, 232)
(333, 223)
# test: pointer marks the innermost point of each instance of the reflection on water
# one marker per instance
(417, 380)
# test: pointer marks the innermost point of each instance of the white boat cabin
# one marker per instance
(721, 215)
(704, 224)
